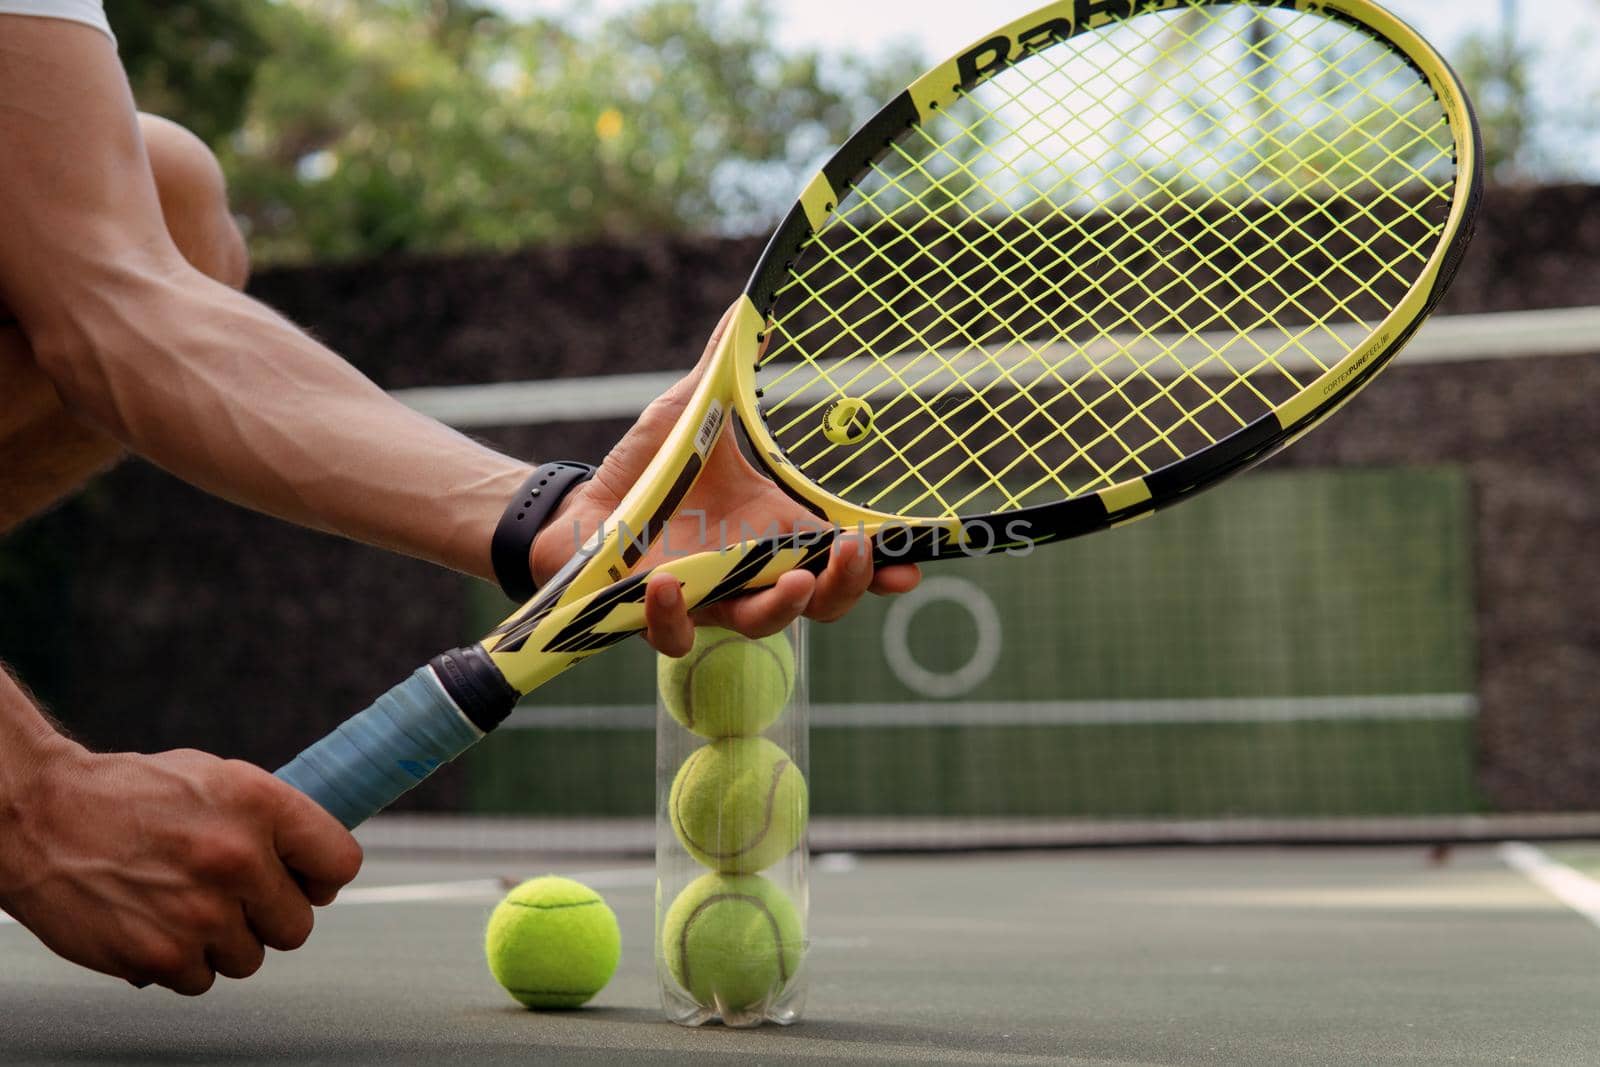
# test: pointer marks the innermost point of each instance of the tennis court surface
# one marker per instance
(1230, 955)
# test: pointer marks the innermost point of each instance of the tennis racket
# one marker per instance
(1095, 263)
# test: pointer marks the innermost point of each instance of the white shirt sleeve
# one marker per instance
(88, 12)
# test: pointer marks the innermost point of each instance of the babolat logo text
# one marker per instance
(998, 52)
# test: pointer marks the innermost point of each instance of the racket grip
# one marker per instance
(378, 754)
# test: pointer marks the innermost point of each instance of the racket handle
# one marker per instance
(378, 754)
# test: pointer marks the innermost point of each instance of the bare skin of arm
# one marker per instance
(228, 395)
(174, 868)
(134, 338)
(46, 452)
(190, 866)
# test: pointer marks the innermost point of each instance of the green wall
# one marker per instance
(1296, 642)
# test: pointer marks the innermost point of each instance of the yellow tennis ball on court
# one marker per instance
(728, 685)
(732, 941)
(738, 805)
(553, 943)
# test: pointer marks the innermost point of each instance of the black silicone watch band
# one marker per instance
(524, 516)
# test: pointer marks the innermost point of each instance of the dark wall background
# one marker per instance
(151, 616)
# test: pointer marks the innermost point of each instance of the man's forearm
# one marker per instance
(27, 738)
(228, 395)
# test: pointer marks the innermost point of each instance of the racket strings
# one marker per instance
(1217, 309)
(1027, 322)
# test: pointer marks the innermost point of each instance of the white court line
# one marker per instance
(476, 889)
(1577, 891)
(486, 889)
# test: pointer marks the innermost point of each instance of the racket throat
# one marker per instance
(475, 685)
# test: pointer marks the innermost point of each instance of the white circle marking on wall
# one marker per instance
(897, 637)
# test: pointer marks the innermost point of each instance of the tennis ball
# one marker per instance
(552, 943)
(732, 941)
(728, 685)
(738, 805)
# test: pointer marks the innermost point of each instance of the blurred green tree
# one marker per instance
(193, 61)
(353, 128)
(1532, 132)
(1497, 70)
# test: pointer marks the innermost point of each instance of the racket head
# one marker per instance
(1101, 260)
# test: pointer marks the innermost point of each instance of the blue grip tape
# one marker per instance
(378, 754)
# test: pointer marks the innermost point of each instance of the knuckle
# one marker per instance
(354, 856)
(243, 962)
(193, 981)
(258, 956)
(158, 960)
(223, 856)
(249, 783)
(291, 932)
(203, 913)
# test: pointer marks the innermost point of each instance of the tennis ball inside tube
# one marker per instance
(728, 685)
(553, 943)
(732, 941)
(738, 805)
